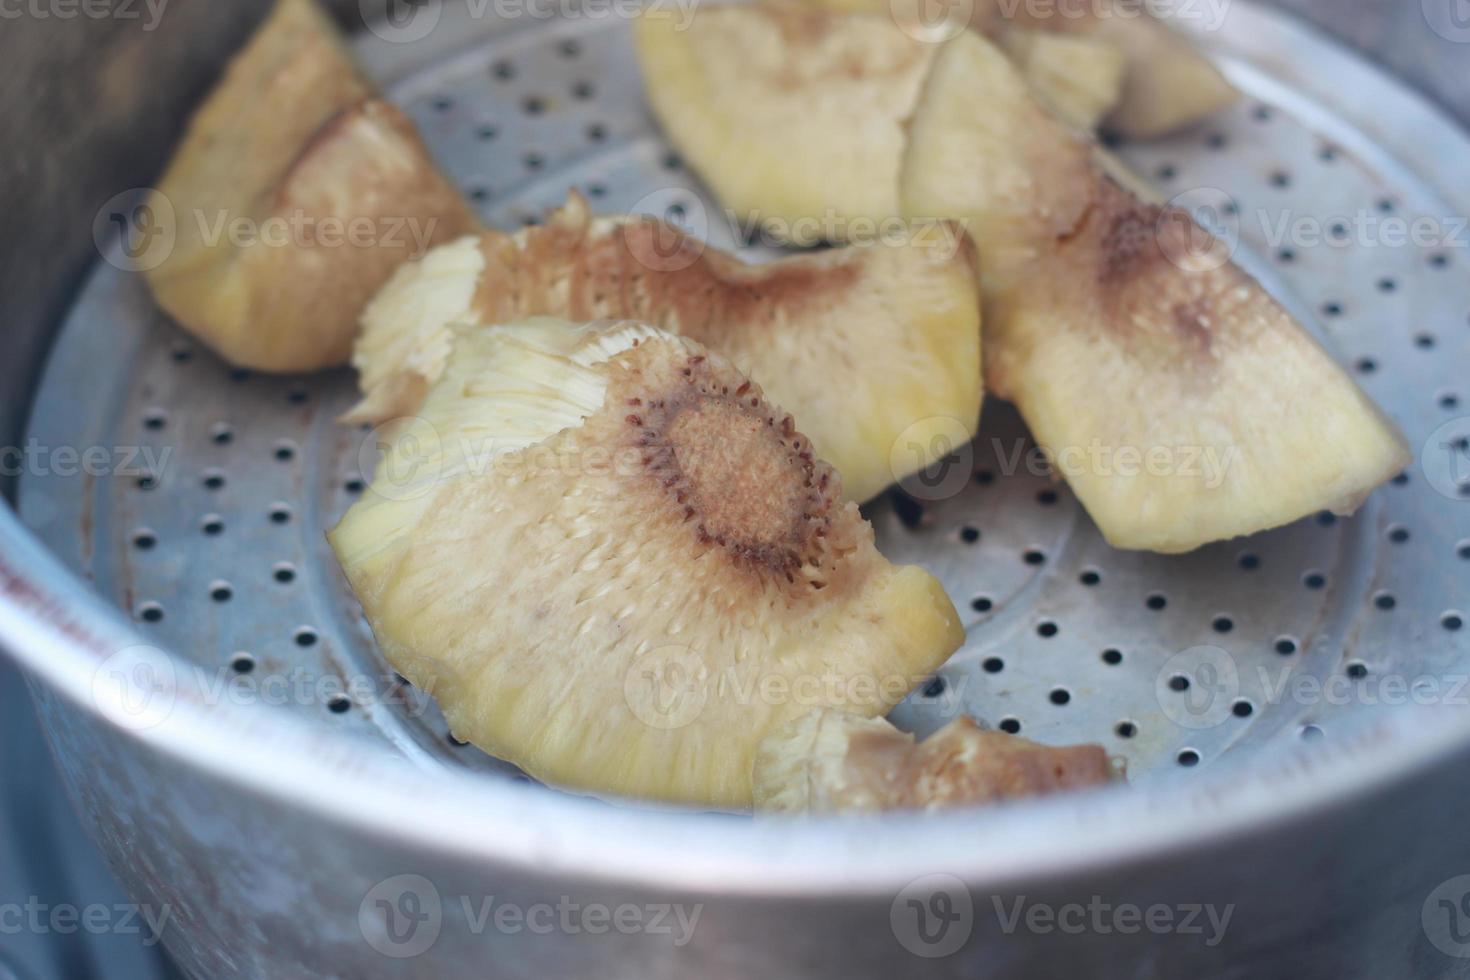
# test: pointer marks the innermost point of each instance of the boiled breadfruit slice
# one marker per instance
(831, 761)
(1078, 78)
(875, 348)
(793, 117)
(1166, 84)
(1179, 400)
(617, 566)
(291, 199)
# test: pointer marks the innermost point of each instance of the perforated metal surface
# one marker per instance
(213, 533)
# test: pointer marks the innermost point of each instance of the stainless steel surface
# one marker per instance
(48, 869)
(249, 799)
(1392, 33)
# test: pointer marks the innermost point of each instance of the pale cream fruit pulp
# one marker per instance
(615, 565)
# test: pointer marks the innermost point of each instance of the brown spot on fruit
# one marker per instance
(1128, 245)
(1194, 320)
(738, 472)
(585, 269)
(837, 761)
(1150, 276)
(740, 475)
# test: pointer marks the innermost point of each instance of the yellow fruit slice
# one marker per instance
(1016, 178)
(875, 348)
(831, 761)
(1179, 400)
(787, 114)
(615, 565)
(1166, 85)
(1079, 78)
(292, 197)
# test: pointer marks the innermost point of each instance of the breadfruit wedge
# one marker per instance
(829, 761)
(875, 348)
(1079, 78)
(294, 194)
(1015, 177)
(793, 117)
(617, 566)
(1168, 85)
(1179, 400)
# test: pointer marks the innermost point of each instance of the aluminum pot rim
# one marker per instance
(61, 633)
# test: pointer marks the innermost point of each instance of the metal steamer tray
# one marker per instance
(1273, 698)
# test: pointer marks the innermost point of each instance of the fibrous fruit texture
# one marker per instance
(876, 348)
(617, 566)
(831, 761)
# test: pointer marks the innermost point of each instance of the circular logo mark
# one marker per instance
(1199, 230)
(135, 231)
(401, 916)
(933, 916)
(403, 22)
(1445, 459)
(933, 458)
(671, 236)
(1450, 19)
(136, 687)
(931, 21)
(401, 459)
(1197, 687)
(1446, 917)
(667, 687)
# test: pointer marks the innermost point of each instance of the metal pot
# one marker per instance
(337, 832)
